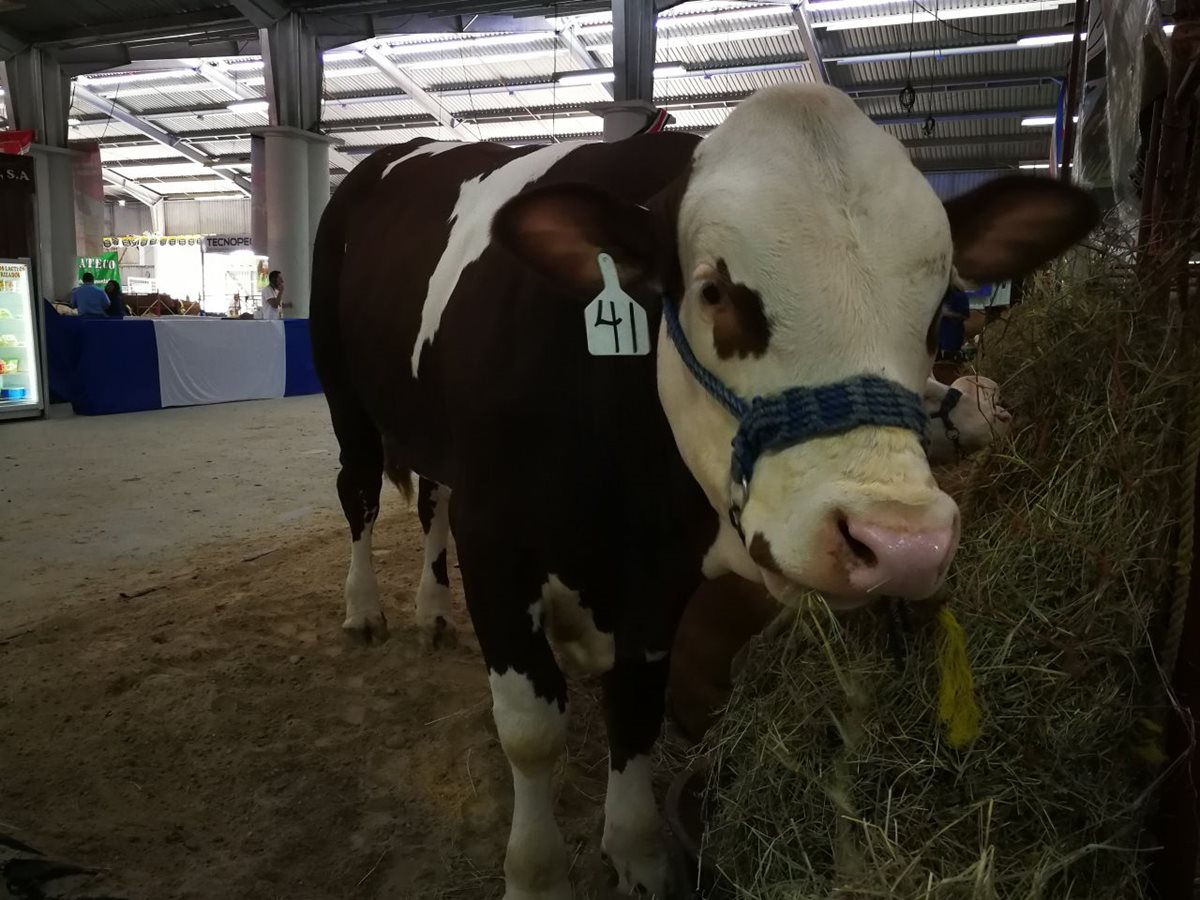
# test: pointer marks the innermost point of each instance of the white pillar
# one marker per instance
(318, 185)
(296, 186)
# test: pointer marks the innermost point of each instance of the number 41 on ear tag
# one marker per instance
(616, 324)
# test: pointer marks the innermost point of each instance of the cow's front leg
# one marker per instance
(634, 694)
(433, 594)
(533, 733)
(529, 703)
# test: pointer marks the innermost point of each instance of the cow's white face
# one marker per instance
(978, 418)
(810, 250)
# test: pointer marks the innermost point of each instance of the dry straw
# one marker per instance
(832, 775)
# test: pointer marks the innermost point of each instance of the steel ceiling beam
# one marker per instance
(808, 40)
(292, 67)
(419, 95)
(210, 72)
(10, 44)
(341, 159)
(261, 13)
(156, 134)
(132, 188)
(570, 39)
(199, 26)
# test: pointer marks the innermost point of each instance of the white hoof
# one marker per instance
(366, 629)
(642, 865)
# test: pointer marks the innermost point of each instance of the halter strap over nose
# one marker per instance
(800, 414)
(949, 402)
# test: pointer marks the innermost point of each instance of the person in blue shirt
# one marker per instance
(956, 308)
(89, 299)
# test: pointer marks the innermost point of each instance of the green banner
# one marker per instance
(103, 267)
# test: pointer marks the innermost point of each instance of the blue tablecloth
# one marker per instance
(105, 366)
(301, 374)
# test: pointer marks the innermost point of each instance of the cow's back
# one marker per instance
(428, 320)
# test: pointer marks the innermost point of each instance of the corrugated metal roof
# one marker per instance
(505, 85)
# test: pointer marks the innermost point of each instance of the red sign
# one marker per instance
(16, 142)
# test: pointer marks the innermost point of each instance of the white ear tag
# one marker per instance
(616, 323)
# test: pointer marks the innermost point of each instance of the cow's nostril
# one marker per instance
(864, 553)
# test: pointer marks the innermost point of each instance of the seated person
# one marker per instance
(88, 299)
(116, 300)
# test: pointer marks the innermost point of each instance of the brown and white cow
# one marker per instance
(591, 494)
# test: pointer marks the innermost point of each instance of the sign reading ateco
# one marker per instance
(224, 243)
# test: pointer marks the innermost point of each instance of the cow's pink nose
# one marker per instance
(906, 564)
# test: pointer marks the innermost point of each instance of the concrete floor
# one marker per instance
(96, 505)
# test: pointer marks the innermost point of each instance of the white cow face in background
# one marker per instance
(975, 420)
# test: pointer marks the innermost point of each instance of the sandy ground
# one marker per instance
(93, 504)
(178, 707)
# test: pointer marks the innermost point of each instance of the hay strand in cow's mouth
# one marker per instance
(831, 773)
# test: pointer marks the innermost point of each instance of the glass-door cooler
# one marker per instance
(20, 363)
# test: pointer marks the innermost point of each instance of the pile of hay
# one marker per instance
(831, 774)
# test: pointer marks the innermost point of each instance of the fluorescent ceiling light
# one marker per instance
(727, 15)
(157, 75)
(670, 72)
(599, 76)
(699, 40)
(1035, 165)
(944, 15)
(1045, 40)
(245, 65)
(340, 55)
(1041, 121)
(249, 106)
(902, 55)
(460, 43)
(338, 73)
(72, 122)
(607, 76)
(709, 18)
(494, 59)
(831, 5)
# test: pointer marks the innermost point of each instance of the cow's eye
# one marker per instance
(711, 292)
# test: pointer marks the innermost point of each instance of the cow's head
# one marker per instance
(971, 420)
(805, 249)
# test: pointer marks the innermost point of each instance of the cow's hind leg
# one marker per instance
(634, 842)
(358, 484)
(433, 594)
(529, 703)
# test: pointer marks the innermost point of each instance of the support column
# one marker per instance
(290, 159)
(293, 68)
(633, 49)
(40, 101)
(295, 190)
(318, 185)
(633, 110)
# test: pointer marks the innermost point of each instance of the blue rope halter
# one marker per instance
(799, 414)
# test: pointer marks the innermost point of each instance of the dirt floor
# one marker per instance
(179, 709)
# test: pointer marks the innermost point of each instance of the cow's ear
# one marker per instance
(561, 229)
(1008, 227)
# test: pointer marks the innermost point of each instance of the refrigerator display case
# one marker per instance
(21, 390)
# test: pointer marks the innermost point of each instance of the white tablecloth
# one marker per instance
(202, 360)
